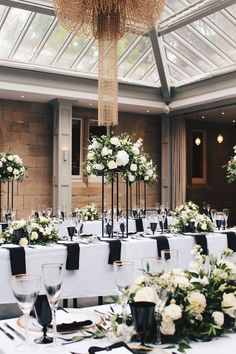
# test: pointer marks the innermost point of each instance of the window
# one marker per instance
(76, 146)
(199, 157)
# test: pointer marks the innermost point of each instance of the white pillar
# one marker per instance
(165, 162)
(62, 144)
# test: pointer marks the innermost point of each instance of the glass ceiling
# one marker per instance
(196, 50)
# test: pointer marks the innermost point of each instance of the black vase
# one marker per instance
(143, 317)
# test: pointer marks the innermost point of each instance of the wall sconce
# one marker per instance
(220, 139)
(65, 154)
(197, 141)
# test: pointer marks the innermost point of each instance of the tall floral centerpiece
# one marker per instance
(11, 169)
(231, 167)
(187, 218)
(113, 156)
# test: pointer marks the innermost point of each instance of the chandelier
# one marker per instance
(108, 21)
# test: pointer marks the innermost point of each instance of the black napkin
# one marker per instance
(4, 226)
(93, 350)
(231, 239)
(201, 240)
(139, 225)
(73, 252)
(115, 251)
(162, 244)
(73, 326)
(17, 260)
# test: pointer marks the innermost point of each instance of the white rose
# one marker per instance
(146, 294)
(122, 158)
(115, 141)
(112, 165)
(131, 178)
(99, 166)
(23, 242)
(90, 155)
(94, 145)
(172, 312)
(10, 158)
(133, 167)
(143, 159)
(228, 304)
(34, 235)
(167, 328)
(181, 281)
(204, 226)
(146, 178)
(4, 159)
(218, 317)
(15, 171)
(105, 151)
(135, 150)
(197, 302)
(9, 169)
(150, 172)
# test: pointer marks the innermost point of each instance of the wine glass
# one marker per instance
(43, 315)
(219, 217)
(124, 275)
(26, 288)
(152, 218)
(109, 227)
(71, 232)
(52, 279)
(208, 208)
(226, 216)
(122, 225)
(213, 211)
(143, 316)
(162, 217)
(170, 259)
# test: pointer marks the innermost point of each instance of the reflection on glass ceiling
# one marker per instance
(194, 51)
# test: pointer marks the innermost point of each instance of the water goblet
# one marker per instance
(124, 275)
(122, 225)
(226, 216)
(71, 232)
(219, 217)
(52, 279)
(162, 217)
(143, 316)
(25, 289)
(152, 218)
(109, 227)
(43, 315)
(170, 259)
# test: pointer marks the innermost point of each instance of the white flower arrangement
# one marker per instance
(36, 230)
(88, 213)
(109, 155)
(11, 167)
(186, 214)
(231, 167)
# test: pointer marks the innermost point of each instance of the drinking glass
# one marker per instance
(213, 211)
(26, 288)
(43, 315)
(163, 294)
(153, 219)
(71, 232)
(170, 259)
(219, 217)
(162, 217)
(124, 276)
(52, 279)
(122, 225)
(226, 216)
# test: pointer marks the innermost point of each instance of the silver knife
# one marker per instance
(14, 330)
(7, 334)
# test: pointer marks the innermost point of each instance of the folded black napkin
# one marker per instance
(73, 326)
(231, 239)
(93, 350)
(115, 251)
(201, 240)
(139, 225)
(4, 225)
(17, 260)
(73, 253)
(162, 244)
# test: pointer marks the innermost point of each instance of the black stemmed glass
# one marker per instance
(71, 232)
(43, 315)
(143, 317)
(153, 227)
(109, 228)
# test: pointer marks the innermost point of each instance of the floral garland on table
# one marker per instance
(109, 155)
(186, 214)
(41, 231)
(11, 167)
(88, 213)
(231, 167)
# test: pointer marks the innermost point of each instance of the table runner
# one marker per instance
(115, 251)
(73, 255)
(231, 239)
(162, 244)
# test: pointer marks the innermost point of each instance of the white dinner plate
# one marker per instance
(77, 315)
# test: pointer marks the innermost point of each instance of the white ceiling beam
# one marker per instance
(42, 7)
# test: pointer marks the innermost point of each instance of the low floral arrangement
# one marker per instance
(34, 231)
(109, 155)
(11, 167)
(88, 213)
(231, 167)
(186, 218)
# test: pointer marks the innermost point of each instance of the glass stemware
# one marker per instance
(162, 217)
(153, 219)
(43, 315)
(26, 288)
(124, 276)
(163, 294)
(71, 232)
(52, 279)
(226, 216)
(170, 258)
(219, 217)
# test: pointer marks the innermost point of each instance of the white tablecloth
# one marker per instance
(225, 345)
(95, 276)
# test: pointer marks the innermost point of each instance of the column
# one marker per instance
(165, 162)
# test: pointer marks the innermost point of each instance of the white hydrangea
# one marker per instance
(122, 158)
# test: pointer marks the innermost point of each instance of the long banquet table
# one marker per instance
(95, 276)
(218, 346)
